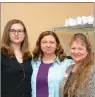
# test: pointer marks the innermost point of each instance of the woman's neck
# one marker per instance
(17, 52)
(76, 66)
(49, 58)
(16, 47)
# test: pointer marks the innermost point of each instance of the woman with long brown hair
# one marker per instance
(49, 64)
(79, 81)
(16, 66)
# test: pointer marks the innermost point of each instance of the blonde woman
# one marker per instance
(79, 81)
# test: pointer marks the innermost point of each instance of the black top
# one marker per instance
(15, 77)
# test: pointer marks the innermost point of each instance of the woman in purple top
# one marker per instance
(49, 64)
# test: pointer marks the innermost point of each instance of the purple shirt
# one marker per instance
(42, 80)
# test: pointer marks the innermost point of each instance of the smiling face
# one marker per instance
(48, 44)
(78, 50)
(16, 33)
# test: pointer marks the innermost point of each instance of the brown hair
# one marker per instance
(38, 52)
(79, 76)
(6, 47)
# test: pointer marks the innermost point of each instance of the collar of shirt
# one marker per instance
(56, 60)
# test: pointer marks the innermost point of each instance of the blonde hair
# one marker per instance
(78, 78)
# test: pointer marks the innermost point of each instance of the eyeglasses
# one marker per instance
(19, 31)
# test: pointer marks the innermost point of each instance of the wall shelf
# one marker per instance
(78, 28)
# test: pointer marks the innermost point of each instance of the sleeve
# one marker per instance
(67, 62)
(32, 63)
(2, 57)
(70, 62)
(61, 90)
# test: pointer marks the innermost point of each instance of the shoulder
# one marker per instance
(35, 63)
(3, 56)
(67, 62)
(27, 61)
(88, 88)
(90, 75)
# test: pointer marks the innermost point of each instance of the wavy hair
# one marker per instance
(78, 78)
(38, 52)
(5, 45)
